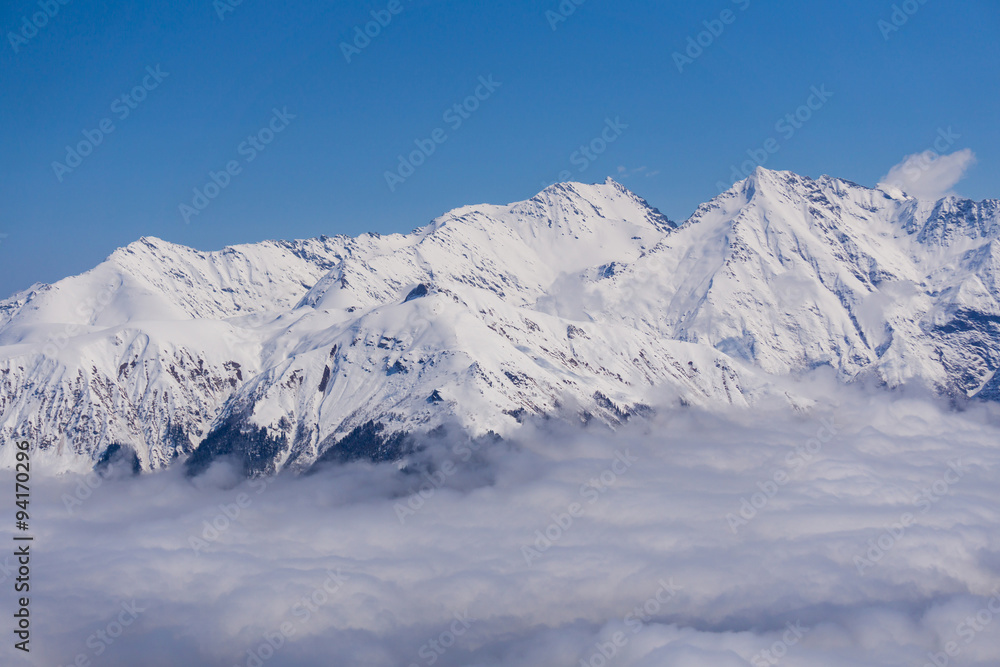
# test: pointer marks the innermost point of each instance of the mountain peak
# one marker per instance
(608, 199)
(583, 295)
(764, 179)
(520, 248)
(586, 190)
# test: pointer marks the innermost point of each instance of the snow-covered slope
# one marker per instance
(583, 302)
(789, 273)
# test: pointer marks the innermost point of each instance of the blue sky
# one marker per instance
(265, 89)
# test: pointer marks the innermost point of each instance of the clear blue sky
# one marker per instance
(324, 172)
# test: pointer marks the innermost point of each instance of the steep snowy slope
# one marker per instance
(789, 273)
(582, 302)
(441, 330)
(156, 280)
(145, 348)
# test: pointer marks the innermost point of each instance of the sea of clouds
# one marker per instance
(863, 531)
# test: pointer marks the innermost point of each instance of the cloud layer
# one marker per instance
(694, 539)
(928, 175)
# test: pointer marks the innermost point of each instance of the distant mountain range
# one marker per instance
(583, 302)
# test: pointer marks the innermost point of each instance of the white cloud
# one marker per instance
(661, 519)
(928, 175)
(625, 172)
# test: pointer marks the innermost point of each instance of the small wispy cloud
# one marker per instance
(928, 175)
(625, 172)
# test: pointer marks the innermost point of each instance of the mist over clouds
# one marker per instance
(651, 553)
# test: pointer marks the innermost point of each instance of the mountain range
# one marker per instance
(583, 302)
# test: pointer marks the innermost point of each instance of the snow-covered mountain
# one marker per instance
(582, 302)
